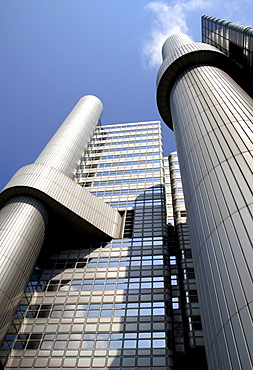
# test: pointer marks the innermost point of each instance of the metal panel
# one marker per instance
(212, 118)
(23, 223)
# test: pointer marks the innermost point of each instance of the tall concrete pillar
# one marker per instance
(212, 120)
(23, 218)
(23, 222)
(67, 145)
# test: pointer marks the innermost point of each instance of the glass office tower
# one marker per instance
(126, 303)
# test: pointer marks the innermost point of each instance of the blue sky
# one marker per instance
(55, 51)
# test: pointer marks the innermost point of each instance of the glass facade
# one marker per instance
(235, 41)
(116, 304)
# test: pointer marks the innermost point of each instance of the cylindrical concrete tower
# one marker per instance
(212, 118)
(23, 218)
(23, 222)
(67, 145)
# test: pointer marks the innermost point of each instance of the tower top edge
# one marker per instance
(90, 96)
(179, 58)
(173, 42)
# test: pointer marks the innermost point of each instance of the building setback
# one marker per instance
(211, 116)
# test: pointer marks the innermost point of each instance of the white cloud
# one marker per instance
(169, 19)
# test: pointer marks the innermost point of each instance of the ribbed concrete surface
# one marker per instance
(212, 120)
(23, 223)
(67, 145)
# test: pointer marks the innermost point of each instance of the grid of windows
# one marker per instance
(233, 40)
(87, 341)
(112, 296)
(109, 304)
(103, 309)
(118, 157)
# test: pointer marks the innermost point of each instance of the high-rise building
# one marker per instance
(99, 269)
(211, 116)
(104, 293)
